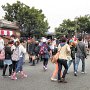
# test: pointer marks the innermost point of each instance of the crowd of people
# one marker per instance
(12, 55)
(69, 51)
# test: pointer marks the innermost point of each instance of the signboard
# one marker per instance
(6, 32)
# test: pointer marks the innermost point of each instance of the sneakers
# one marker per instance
(83, 72)
(45, 68)
(13, 77)
(75, 74)
(53, 79)
(23, 75)
(62, 81)
(59, 81)
(67, 72)
(9, 76)
(4, 75)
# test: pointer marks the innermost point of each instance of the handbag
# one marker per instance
(55, 57)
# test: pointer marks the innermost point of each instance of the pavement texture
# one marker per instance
(38, 79)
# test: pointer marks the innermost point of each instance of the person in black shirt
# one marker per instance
(7, 61)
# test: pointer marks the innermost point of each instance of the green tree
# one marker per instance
(78, 25)
(82, 23)
(30, 20)
(67, 27)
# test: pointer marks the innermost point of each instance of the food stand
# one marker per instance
(8, 28)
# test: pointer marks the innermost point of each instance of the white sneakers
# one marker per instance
(45, 68)
(83, 72)
(53, 79)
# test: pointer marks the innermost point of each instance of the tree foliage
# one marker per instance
(83, 23)
(66, 27)
(79, 24)
(30, 20)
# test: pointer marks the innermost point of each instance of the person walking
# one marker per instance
(19, 67)
(64, 49)
(72, 54)
(44, 52)
(32, 56)
(80, 55)
(15, 55)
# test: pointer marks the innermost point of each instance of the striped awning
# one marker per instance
(6, 32)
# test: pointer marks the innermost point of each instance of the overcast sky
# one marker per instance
(55, 10)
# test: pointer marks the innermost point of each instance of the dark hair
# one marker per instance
(17, 42)
(63, 39)
(10, 42)
(80, 38)
(13, 36)
(21, 41)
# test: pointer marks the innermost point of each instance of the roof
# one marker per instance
(8, 24)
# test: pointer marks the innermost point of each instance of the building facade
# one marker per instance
(8, 28)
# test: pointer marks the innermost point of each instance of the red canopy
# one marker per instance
(6, 32)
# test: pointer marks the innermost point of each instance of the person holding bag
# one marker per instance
(19, 67)
(54, 59)
(64, 49)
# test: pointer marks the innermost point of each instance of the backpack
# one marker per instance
(15, 55)
(43, 50)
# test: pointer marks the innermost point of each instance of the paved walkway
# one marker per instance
(39, 80)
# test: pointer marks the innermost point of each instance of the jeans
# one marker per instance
(70, 62)
(45, 62)
(14, 65)
(77, 63)
(19, 65)
(60, 63)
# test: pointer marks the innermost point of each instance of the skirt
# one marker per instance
(7, 62)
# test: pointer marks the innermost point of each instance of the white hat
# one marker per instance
(44, 40)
